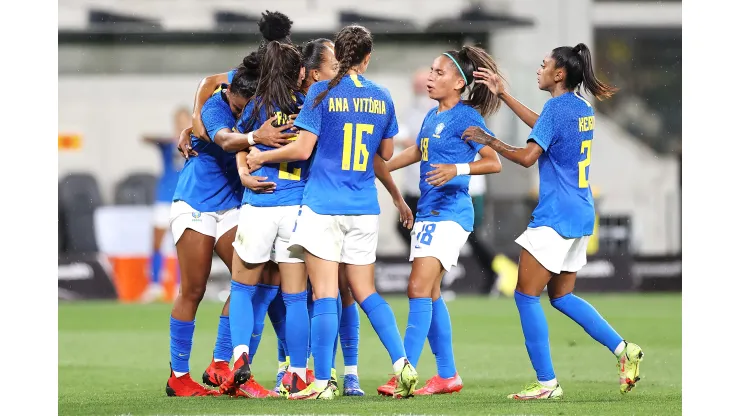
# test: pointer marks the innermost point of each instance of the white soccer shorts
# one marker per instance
(264, 234)
(213, 224)
(554, 252)
(442, 240)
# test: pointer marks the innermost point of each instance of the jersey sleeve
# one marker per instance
(392, 129)
(309, 118)
(216, 117)
(230, 76)
(543, 132)
(478, 121)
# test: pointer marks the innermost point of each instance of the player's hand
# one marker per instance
(254, 159)
(184, 145)
(407, 217)
(442, 174)
(256, 184)
(477, 134)
(199, 129)
(486, 77)
(272, 136)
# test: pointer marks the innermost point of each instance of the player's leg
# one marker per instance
(349, 336)
(194, 241)
(219, 368)
(251, 250)
(297, 337)
(264, 294)
(358, 252)
(277, 314)
(535, 271)
(560, 291)
(160, 219)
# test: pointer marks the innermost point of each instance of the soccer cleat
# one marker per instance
(334, 382)
(628, 367)
(185, 386)
(216, 373)
(439, 385)
(537, 391)
(352, 385)
(406, 380)
(254, 390)
(313, 393)
(388, 388)
(279, 380)
(240, 374)
(286, 385)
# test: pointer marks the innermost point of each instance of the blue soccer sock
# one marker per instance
(324, 328)
(589, 319)
(440, 339)
(297, 322)
(222, 350)
(309, 304)
(383, 321)
(241, 317)
(349, 334)
(534, 327)
(336, 340)
(181, 342)
(263, 297)
(417, 329)
(155, 264)
(277, 314)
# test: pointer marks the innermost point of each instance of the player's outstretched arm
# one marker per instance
(384, 176)
(497, 86)
(267, 135)
(205, 90)
(300, 149)
(525, 156)
(409, 156)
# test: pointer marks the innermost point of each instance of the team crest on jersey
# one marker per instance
(438, 129)
(196, 216)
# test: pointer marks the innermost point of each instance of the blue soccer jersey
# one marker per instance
(230, 76)
(172, 163)
(350, 122)
(289, 177)
(564, 130)
(210, 181)
(440, 141)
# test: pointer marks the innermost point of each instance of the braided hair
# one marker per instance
(351, 46)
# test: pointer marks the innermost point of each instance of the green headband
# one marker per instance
(458, 67)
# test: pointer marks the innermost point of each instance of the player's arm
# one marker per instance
(300, 149)
(205, 90)
(496, 85)
(524, 156)
(254, 183)
(408, 157)
(267, 134)
(488, 162)
(384, 176)
(385, 150)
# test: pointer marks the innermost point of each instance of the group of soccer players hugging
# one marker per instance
(306, 134)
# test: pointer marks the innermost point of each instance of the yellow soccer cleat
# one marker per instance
(628, 367)
(334, 382)
(537, 391)
(313, 393)
(406, 381)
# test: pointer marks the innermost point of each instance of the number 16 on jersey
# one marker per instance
(355, 146)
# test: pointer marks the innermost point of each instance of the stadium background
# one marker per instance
(125, 66)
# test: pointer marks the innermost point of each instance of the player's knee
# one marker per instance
(418, 289)
(193, 293)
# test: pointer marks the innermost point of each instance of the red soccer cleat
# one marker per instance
(254, 390)
(288, 381)
(439, 385)
(240, 374)
(389, 388)
(185, 386)
(216, 373)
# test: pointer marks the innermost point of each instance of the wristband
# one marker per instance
(250, 138)
(462, 169)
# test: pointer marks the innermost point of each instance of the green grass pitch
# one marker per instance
(113, 360)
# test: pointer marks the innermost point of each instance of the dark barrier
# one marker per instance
(85, 276)
(657, 273)
(392, 275)
(604, 273)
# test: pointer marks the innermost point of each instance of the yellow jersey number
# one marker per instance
(425, 149)
(355, 145)
(582, 165)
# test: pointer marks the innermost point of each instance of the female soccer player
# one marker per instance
(554, 244)
(172, 164)
(204, 216)
(267, 219)
(444, 217)
(338, 221)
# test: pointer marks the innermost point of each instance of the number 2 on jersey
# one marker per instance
(582, 165)
(285, 173)
(360, 149)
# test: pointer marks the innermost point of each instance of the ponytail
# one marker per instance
(579, 71)
(469, 59)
